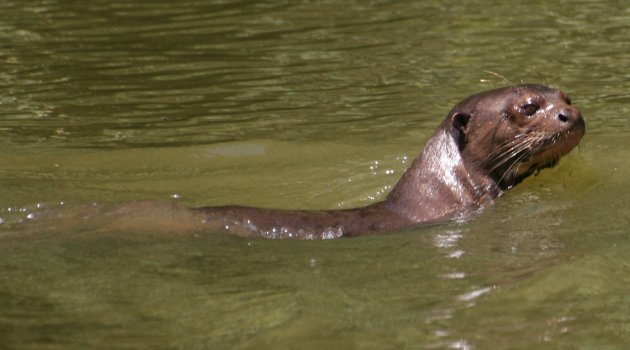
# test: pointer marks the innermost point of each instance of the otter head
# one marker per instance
(510, 133)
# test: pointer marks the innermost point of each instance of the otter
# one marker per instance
(487, 144)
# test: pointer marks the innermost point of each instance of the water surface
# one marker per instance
(302, 105)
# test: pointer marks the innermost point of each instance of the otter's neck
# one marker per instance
(440, 184)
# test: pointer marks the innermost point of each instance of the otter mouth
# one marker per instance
(551, 148)
(530, 153)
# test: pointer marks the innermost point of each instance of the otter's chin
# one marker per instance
(545, 159)
(559, 146)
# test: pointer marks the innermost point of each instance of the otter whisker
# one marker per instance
(502, 150)
(502, 120)
(514, 167)
(508, 152)
(516, 155)
(513, 147)
(517, 141)
(538, 143)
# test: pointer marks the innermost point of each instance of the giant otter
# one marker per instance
(488, 143)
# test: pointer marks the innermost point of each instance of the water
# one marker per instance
(302, 105)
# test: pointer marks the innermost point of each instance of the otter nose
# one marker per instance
(570, 118)
(563, 118)
(569, 115)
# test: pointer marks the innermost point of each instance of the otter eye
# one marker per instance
(530, 109)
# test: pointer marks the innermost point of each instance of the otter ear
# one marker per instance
(459, 122)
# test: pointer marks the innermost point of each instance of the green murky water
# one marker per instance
(303, 105)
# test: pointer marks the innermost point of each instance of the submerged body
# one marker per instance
(488, 143)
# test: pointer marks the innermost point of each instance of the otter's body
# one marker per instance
(488, 143)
